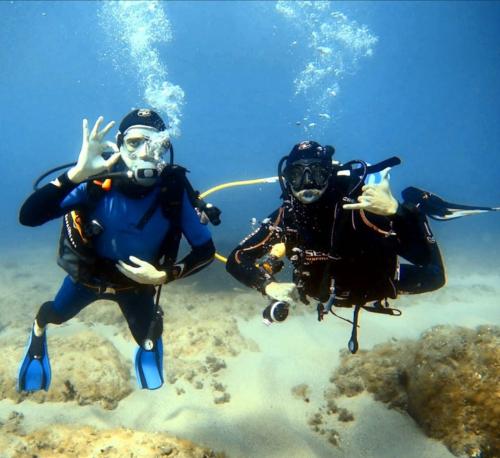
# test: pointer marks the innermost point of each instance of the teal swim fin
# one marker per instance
(149, 366)
(34, 372)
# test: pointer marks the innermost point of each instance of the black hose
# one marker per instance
(50, 172)
(280, 175)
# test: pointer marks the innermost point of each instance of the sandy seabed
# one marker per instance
(237, 388)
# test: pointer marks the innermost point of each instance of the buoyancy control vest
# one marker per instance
(76, 254)
(352, 254)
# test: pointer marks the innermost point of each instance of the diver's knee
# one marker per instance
(438, 279)
(230, 262)
(48, 314)
(442, 280)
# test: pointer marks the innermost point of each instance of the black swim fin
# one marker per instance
(149, 366)
(34, 372)
(437, 208)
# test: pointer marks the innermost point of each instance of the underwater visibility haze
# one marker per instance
(239, 83)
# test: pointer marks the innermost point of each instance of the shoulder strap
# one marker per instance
(193, 196)
(149, 212)
(172, 191)
(169, 195)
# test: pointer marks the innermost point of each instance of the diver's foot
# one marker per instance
(34, 372)
(149, 366)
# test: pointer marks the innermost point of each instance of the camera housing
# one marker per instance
(275, 312)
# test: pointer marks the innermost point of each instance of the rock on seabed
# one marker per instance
(448, 381)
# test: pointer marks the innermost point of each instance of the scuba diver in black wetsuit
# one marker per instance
(342, 231)
(119, 239)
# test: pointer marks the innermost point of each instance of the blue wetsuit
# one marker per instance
(119, 214)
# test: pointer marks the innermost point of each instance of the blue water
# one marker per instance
(420, 82)
(240, 83)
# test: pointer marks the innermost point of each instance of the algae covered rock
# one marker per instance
(84, 441)
(86, 368)
(447, 381)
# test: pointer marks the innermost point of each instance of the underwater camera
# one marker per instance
(276, 311)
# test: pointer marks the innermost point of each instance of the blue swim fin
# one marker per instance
(34, 373)
(149, 366)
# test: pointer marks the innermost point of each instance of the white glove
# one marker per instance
(286, 292)
(145, 274)
(90, 161)
(376, 198)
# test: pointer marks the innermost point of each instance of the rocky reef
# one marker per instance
(87, 369)
(84, 441)
(448, 381)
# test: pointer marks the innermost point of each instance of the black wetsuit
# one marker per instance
(351, 253)
(126, 232)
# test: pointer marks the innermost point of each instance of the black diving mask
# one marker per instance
(308, 174)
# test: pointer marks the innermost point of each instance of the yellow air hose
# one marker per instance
(238, 183)
(231, 185)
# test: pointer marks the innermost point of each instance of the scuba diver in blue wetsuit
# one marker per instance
(124, 216)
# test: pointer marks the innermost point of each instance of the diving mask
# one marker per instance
(308, 178)
(308, 174)
(144, 151)
(146, 143)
